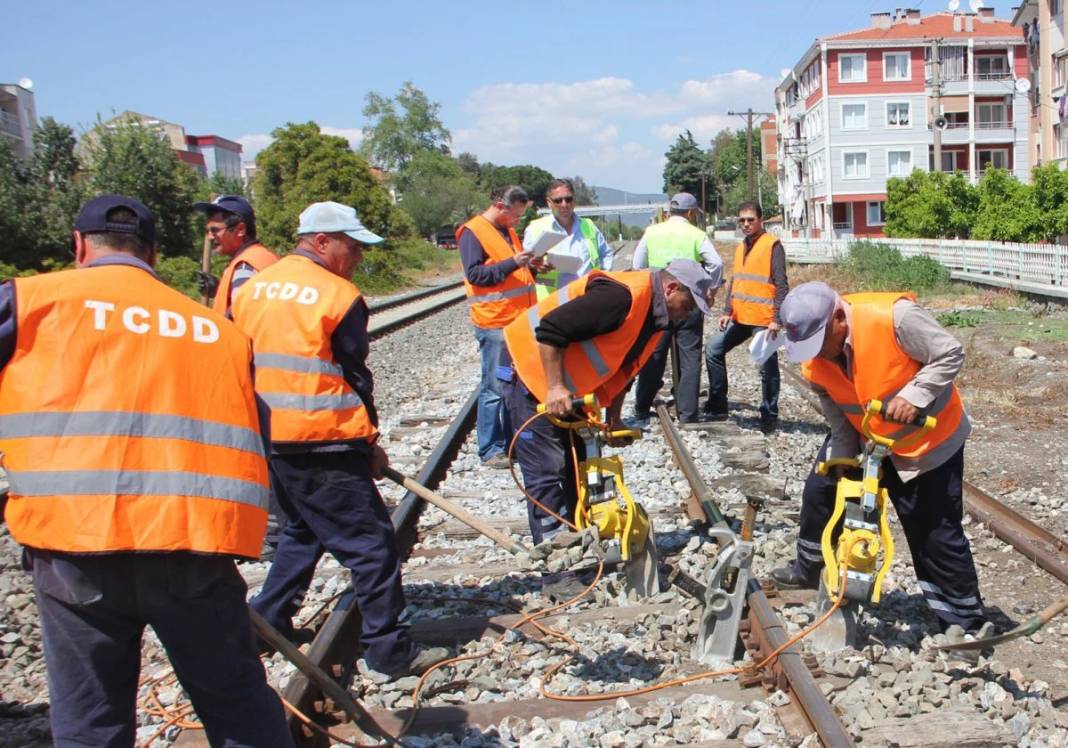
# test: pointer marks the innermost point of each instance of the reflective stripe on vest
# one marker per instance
(752, 292)
(673, 240)
(256, 255)
(127, 420)
(495, 306)
(881, 369)
(591, 366)
(296, 372)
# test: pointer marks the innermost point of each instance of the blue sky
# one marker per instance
(598, 89)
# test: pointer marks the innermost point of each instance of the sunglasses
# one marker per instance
(746, 220)
(560, 200)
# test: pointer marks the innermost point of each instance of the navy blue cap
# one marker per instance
(234, 204)
(94, 218)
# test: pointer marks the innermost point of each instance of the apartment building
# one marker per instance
(863, 106)
(18, 116)
(1044, 26)
(207, 154)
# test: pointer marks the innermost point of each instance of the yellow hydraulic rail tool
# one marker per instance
(862, 503)
(605, 503)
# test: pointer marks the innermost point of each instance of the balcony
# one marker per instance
(994, 132)
(9, 123)
(998, 83)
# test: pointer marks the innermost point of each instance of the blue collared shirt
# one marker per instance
(575, 245)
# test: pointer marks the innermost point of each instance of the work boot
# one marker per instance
(425, 658)
(499, 461)
(768, 424)
(638, 421)
(955, 634)
(789, 578)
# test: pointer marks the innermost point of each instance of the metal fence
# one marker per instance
(1031, 268)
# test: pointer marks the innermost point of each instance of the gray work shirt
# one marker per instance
(941, 355)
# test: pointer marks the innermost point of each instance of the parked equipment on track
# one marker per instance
(605, 503)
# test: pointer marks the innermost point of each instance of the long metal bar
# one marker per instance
(337, 644)
(408, 298)
(689, 469)
(377, 330)
(821, 715)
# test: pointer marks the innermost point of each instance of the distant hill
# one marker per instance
(612, 196)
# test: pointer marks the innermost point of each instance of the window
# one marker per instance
(898, 163)
(1058, 72)
(897, 114)
(1054, 7)
(896, 66)
(949, 161)
(997, 158)
(876, 217)
(852, 68)
(989, 116)
(854, 116)
(854, 164)
(989, 67)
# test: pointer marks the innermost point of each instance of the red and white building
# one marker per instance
(861, 107)
(208, 155)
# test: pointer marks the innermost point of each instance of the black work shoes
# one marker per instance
(788, 578)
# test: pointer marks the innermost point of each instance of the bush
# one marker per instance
(877, 267)
(393, 264)
(180, 273)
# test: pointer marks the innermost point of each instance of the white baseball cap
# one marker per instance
(806, 311)
(334, 218)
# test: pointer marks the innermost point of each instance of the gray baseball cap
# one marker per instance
(699, 280)
(805, 313)
(334, 218)
(684, 201)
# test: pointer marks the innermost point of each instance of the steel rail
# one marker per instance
(377, 330)
(1030, 539)
(408, 298)
(337, 644)
(813, 704)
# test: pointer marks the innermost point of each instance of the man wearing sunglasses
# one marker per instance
(757, 290)
(584, 240)
(231, 229)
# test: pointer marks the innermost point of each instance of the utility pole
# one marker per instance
(936, 95)
(749, 114)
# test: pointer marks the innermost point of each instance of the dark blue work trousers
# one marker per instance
(687, 336)
(930, 508)
(716, 351)
(544, 455)
(94, 609)
(332, 505)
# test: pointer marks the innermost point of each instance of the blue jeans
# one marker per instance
(716, 352)
(491, 426)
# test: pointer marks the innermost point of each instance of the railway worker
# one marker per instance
(754, 298)
(308, 325)
(132, 439)
(884, 345)
(676, 238)
(584, 241)
(231, 229)
(593, 336)
(500, 286)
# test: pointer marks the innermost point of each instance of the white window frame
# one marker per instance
(978, 161)
(890, 173)
(867, 164)
(882, 211)
(991, 105)
(842, 120)
(908, 66)
(907, 105)
(864, 71)
(1002, 57)
(954, 157)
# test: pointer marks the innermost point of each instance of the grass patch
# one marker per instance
(398, 263)
(877, 267)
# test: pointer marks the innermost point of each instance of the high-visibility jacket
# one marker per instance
(290, 310)
(128, 421)
(256, 255)
(599, 365)
(673, 240)
(752, 292)
(496, 306)
(880, 370)
(553, 280)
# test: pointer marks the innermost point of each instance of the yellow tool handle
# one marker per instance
(625, 434)
(824, 467)
(878, 407)
(586, 401)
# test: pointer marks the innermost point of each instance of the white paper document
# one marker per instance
(763, 347)
(547, 241)
(565, 263)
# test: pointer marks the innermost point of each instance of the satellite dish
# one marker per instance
(975, 5)
(26, 83)
(954, 6)
(1022, 85)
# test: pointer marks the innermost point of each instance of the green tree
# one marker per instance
(584, 194)
(469, 164)
(1007, 211)
(437, 192)
(533, 179)
(303, 166)
(57, 192)
(686, 164)
(400, 127)
(1049, 184)
(126, 158)
(19, 212)
(930, 205)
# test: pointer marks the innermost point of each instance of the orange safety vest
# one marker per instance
(752, 292)
(496, 306)
(127, 420)
(290, 310)
(595, 365)
(256, 255)
(880, 370)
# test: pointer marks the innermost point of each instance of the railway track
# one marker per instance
(392, 314)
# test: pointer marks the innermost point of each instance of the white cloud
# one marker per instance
(352, 134)
(607, 129)
(256, 142)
